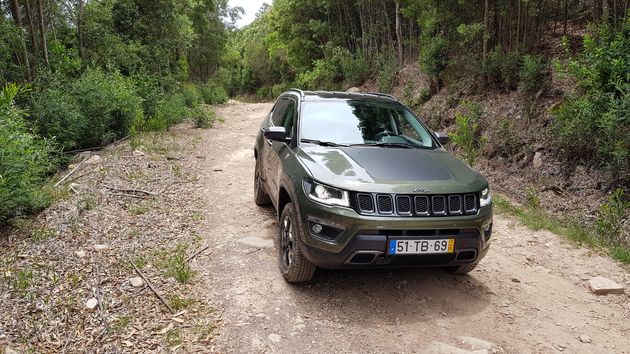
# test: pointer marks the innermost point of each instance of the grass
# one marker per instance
(178, 267)
(538, 219)
(180, 303)
(138, 210)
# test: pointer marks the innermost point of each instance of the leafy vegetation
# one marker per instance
(467, 135)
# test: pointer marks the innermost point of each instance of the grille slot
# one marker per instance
(470, 204)
(455, 205)
(422, 205)
(438, 205)
(365, 203)
(403, 205)
(385, 204)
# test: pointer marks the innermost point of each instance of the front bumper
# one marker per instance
(363, 240)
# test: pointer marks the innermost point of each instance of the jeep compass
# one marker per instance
(358, 181)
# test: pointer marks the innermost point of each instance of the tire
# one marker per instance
(295, 268)
(261, 197)
(462, 269)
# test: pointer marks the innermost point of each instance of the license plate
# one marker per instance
(421, 246)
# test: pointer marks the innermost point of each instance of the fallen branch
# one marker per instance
(71, 172)
(196, 253)
(129, 195)
(152, 288)
(129, 190)
(99, 295)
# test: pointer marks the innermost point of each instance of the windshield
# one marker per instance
(363, 123)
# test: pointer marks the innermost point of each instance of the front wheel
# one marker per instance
(295, 268)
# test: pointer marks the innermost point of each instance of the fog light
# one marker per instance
(317, 228)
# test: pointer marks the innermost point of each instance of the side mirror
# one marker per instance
(442, 137)
(276, 134)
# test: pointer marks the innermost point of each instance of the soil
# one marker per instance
(529, 295)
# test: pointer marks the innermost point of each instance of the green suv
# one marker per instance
(359, 181)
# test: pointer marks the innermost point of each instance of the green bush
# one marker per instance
(433, 58)
(534, 74)
(467, 134)
(25, 159)
(214, 93)
(387, 73)
(324, 76)
(610, 218)
(203, 117)
(172, 108)
(592, 125)
(192, 94)
(503, 68)
(94, 110)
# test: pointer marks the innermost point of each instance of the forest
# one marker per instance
(79, 74)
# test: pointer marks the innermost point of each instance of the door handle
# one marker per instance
(262, 130)
(269, 142)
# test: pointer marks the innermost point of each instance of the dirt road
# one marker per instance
(530, 295)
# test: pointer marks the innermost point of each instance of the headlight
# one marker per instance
(486, 197)
(325, 194)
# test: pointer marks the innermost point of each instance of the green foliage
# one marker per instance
(178, 266)
(503, 68)
(610, 218)
(387, 73)
(64, 61)
(59, 116)
(467, 135)
(203, 117)
(214, 93)
(534, 74)
(433, 57)
(507, 143)
(593, 124)
(323, 76)
(192, 94)
(25, 160)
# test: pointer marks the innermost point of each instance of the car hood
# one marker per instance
(390, 170)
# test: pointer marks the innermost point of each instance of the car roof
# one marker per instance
(338, 95)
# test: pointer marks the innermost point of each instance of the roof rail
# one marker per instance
(298, 91)
(381, 94)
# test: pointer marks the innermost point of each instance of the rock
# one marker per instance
(9, 350)
(353, 90)
(93, 160)
(274, 338)
(476, 343)
(91, 304)
(585, 339)
(443, 348)
(138, 153)
(604, 286)
(80, 253)
(537, 161)
(299, 327)
(100, 248)
(516, 280)
(136, 282)
(256, 242)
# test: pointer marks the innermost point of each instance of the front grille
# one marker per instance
(416, 205)
(385, 204)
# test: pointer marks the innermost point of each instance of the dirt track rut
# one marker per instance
(530, 294)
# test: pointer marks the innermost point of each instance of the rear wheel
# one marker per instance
(462, 269)
(260, 196)
(295, 268)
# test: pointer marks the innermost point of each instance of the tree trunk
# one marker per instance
(15, 12)
(31, 28)
(486, 36)
(80, 27)
(42, 31)
(399, 35)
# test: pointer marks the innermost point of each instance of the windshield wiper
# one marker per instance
(322, 143)
(383, 144)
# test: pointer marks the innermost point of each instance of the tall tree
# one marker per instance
(15, 12)
(42, 31)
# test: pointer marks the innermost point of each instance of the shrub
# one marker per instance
(534, 74)
(323, 76)
(109, 104)
(387, 73)
(192, 94)
(172, 109)
(503, 68)
(433, 58)
(25, 159)
(467, 134)
(593, 124)
(58, 115)
(214, 93)
(610, 218)
(202, 117)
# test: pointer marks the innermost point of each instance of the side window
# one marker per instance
(289, 118)
(279, 112)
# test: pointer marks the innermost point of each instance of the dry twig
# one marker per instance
(153, 289)
(197, 253)
(71, 172)
(129, 190)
